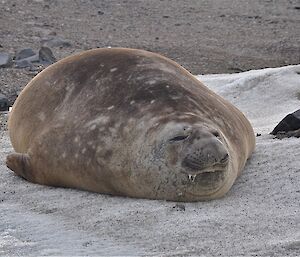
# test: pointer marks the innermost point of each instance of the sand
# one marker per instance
(258, 217)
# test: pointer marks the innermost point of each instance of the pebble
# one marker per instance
(23, 64)
(55, 42)
(179, 207)
(46, 56)
(27, 62)
(28, 58)
(24, 53)
(5, 60)
(3, 103)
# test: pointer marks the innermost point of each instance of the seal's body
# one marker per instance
(127, 122)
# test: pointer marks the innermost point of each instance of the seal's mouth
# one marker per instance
(192, 170)
(197, 165)
(192, 175)
(205, 184)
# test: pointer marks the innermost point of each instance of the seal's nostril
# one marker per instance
(216, 133)
(225, 158)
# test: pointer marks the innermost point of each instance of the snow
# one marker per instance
(258, 217)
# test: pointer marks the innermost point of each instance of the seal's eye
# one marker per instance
(178, 138)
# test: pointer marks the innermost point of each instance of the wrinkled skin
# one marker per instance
(127, 122)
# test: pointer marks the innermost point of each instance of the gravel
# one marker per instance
(202, 35)
(5, 60)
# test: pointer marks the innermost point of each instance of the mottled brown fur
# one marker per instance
(98, 121)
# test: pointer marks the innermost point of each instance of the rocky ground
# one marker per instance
(202, 35)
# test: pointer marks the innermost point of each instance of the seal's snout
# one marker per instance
(205, 153)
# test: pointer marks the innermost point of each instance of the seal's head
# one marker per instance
(193, 156)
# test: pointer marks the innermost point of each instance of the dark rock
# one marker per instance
(258, 134)
(5, 60)
(3, 103)
(235, 69)
(34, 61)
(290, 122)
(254, 17)
(179, 207)
(46, 56)
(24, 64)
(294, 133)
(55, 42)
(100, 12)
(289, 126)
(35, 69)
(25, 53)
(33, 58)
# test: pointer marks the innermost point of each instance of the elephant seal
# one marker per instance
(127, 122)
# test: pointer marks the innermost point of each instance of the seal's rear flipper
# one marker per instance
(20, 164)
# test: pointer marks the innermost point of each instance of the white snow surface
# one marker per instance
(258, 217)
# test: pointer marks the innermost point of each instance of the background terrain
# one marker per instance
(205, 36)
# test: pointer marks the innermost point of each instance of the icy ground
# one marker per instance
(260, 216)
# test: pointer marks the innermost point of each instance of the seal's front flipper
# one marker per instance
(20, 164)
